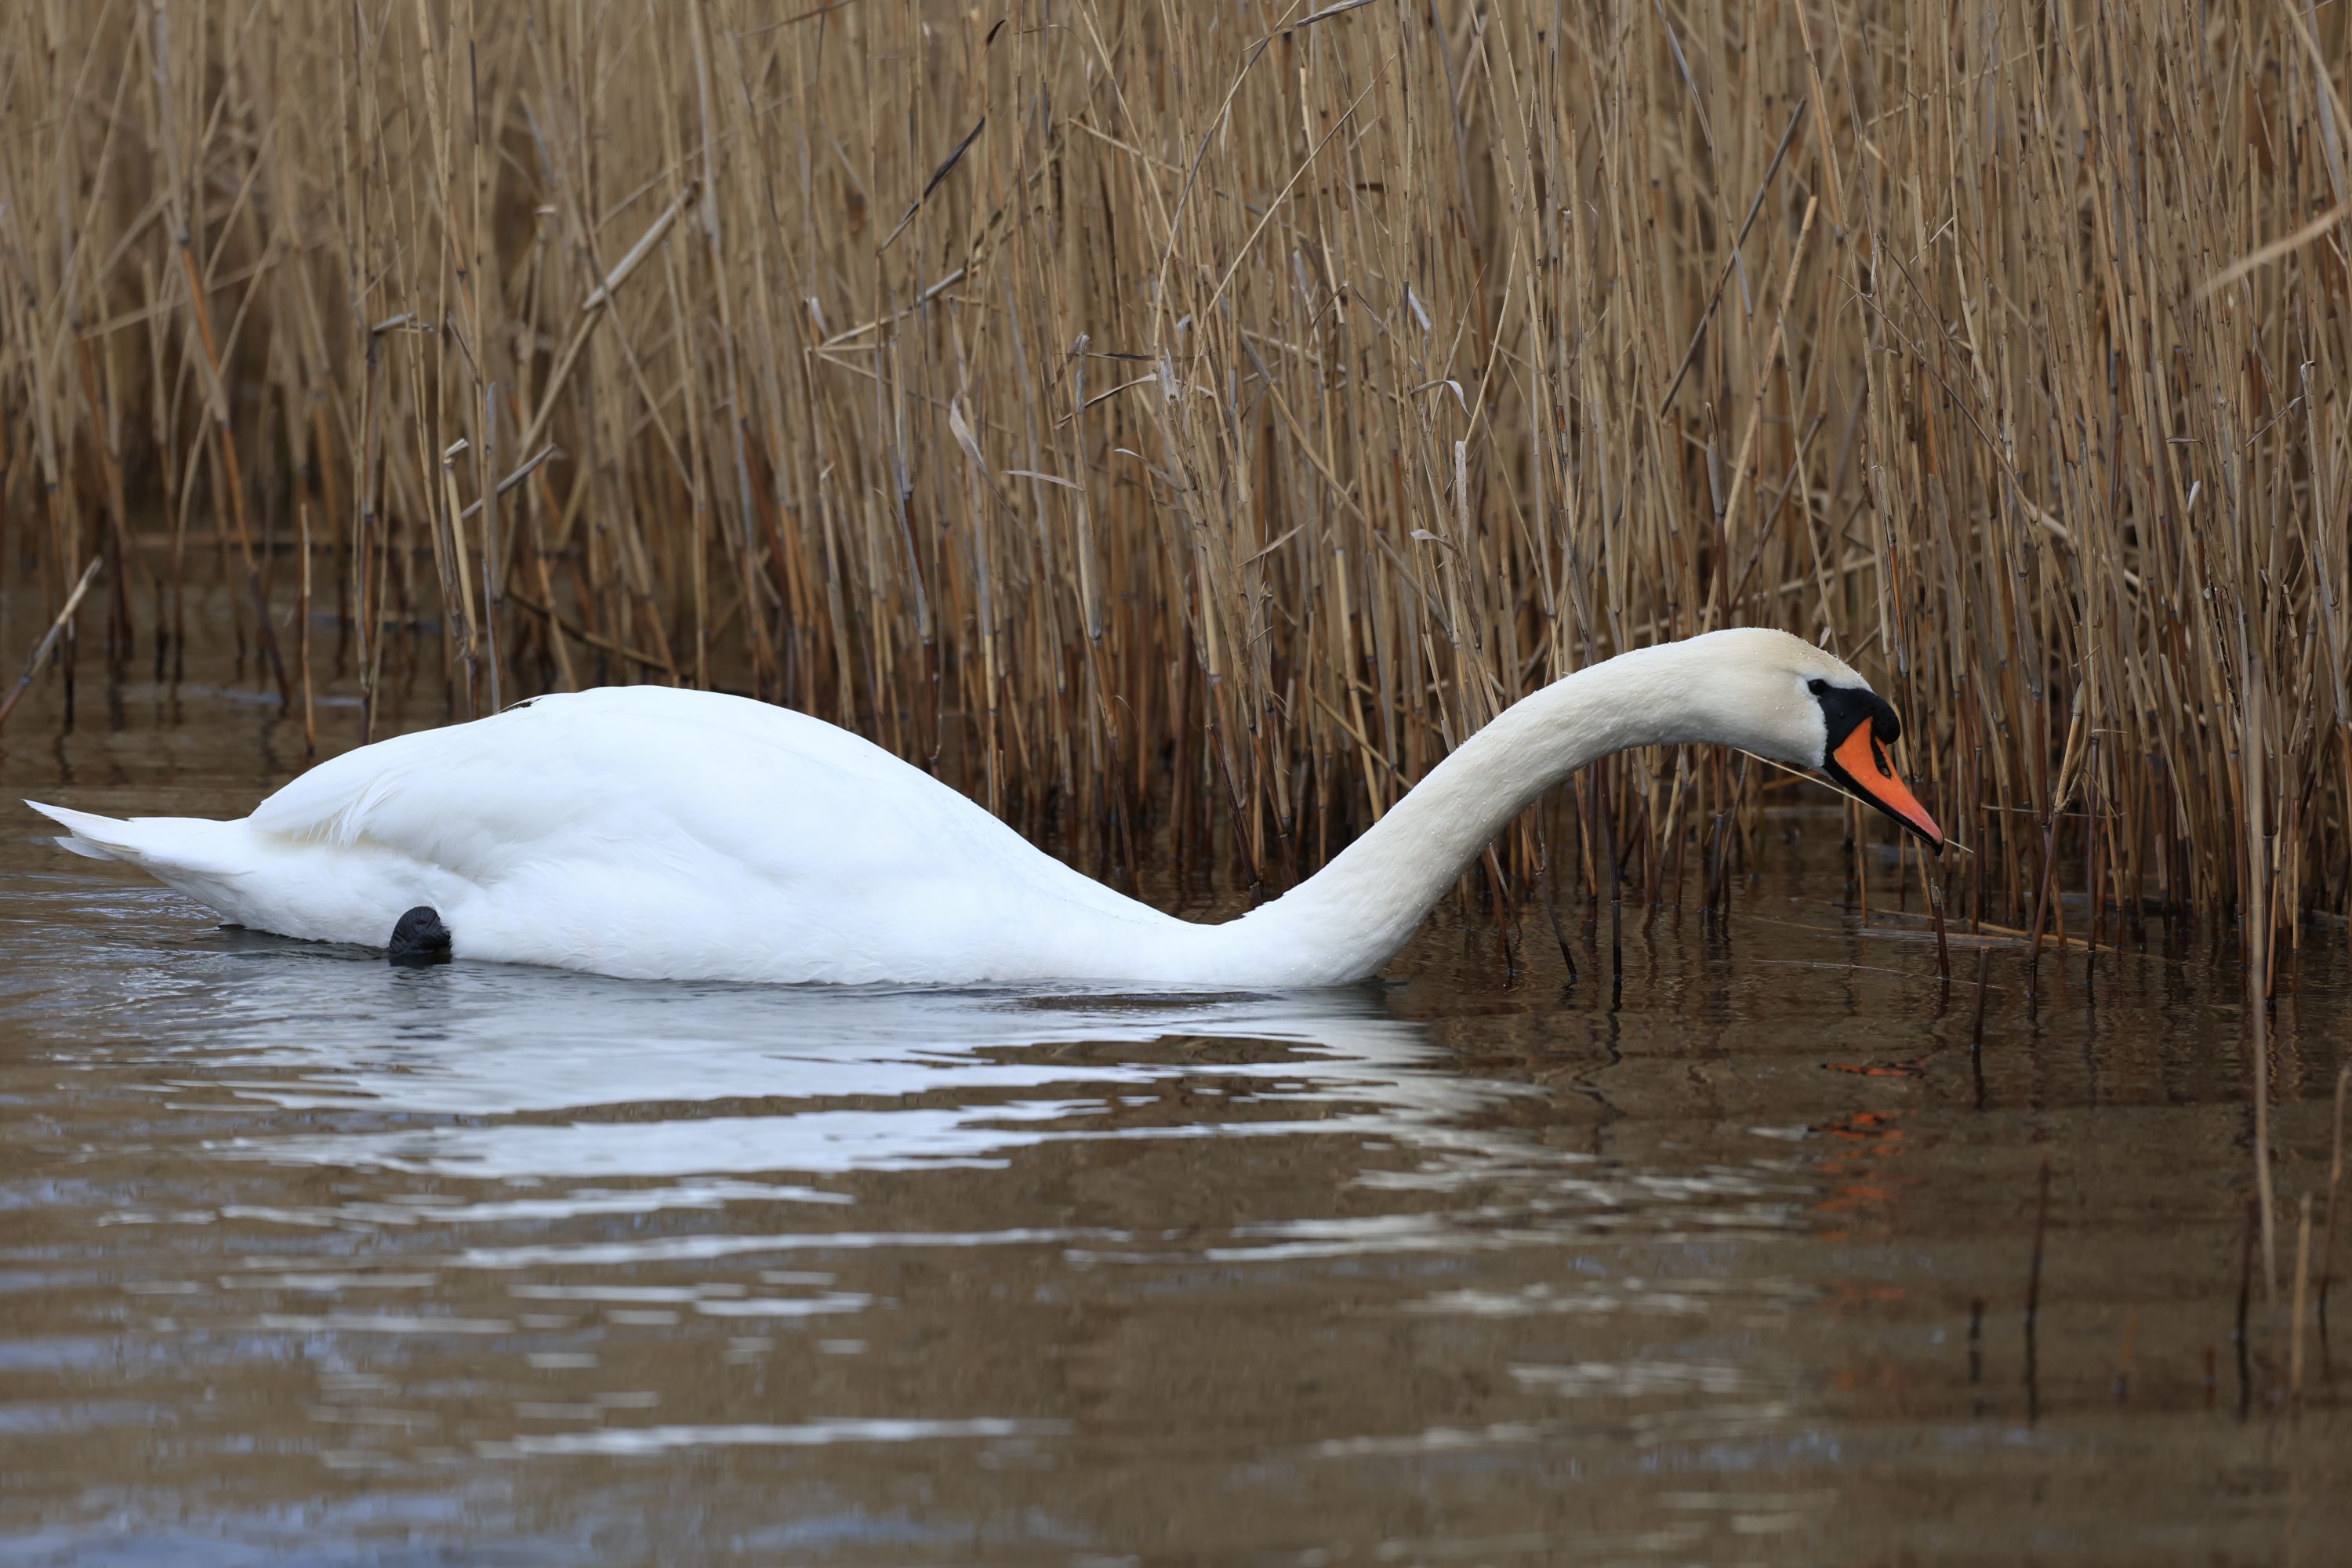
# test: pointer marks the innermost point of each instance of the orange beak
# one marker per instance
(1859, 762)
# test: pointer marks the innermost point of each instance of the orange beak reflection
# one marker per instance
(1859, 762)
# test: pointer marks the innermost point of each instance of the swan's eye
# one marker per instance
(1818, 688)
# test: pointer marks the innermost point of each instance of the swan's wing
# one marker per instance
(621, 764)
(663, 781)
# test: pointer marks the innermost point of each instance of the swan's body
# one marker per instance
(648, 831)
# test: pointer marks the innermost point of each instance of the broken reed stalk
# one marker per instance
(1155, 425)
(49, 642)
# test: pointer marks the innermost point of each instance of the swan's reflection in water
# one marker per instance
(566, 1076)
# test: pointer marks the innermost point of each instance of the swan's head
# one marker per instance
(1782, 698)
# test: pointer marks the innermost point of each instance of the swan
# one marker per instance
(652, 833)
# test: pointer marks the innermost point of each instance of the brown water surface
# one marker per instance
(307, 1259)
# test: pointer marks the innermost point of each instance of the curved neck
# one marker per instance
(1346, 921)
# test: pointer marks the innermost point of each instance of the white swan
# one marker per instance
(654, 832)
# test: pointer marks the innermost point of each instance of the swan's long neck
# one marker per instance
(1345, 922)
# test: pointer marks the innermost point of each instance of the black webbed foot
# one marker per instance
(418, 939)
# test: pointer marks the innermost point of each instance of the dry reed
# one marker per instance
(1208, 413)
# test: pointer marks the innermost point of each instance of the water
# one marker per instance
(306, 1259)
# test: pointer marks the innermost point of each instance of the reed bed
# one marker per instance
(1181, 423)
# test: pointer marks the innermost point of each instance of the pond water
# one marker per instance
(308, 1259)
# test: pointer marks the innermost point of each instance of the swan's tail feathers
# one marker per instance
(74, 820)
(159, 845)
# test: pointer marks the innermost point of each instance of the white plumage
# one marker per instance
(648, 831)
